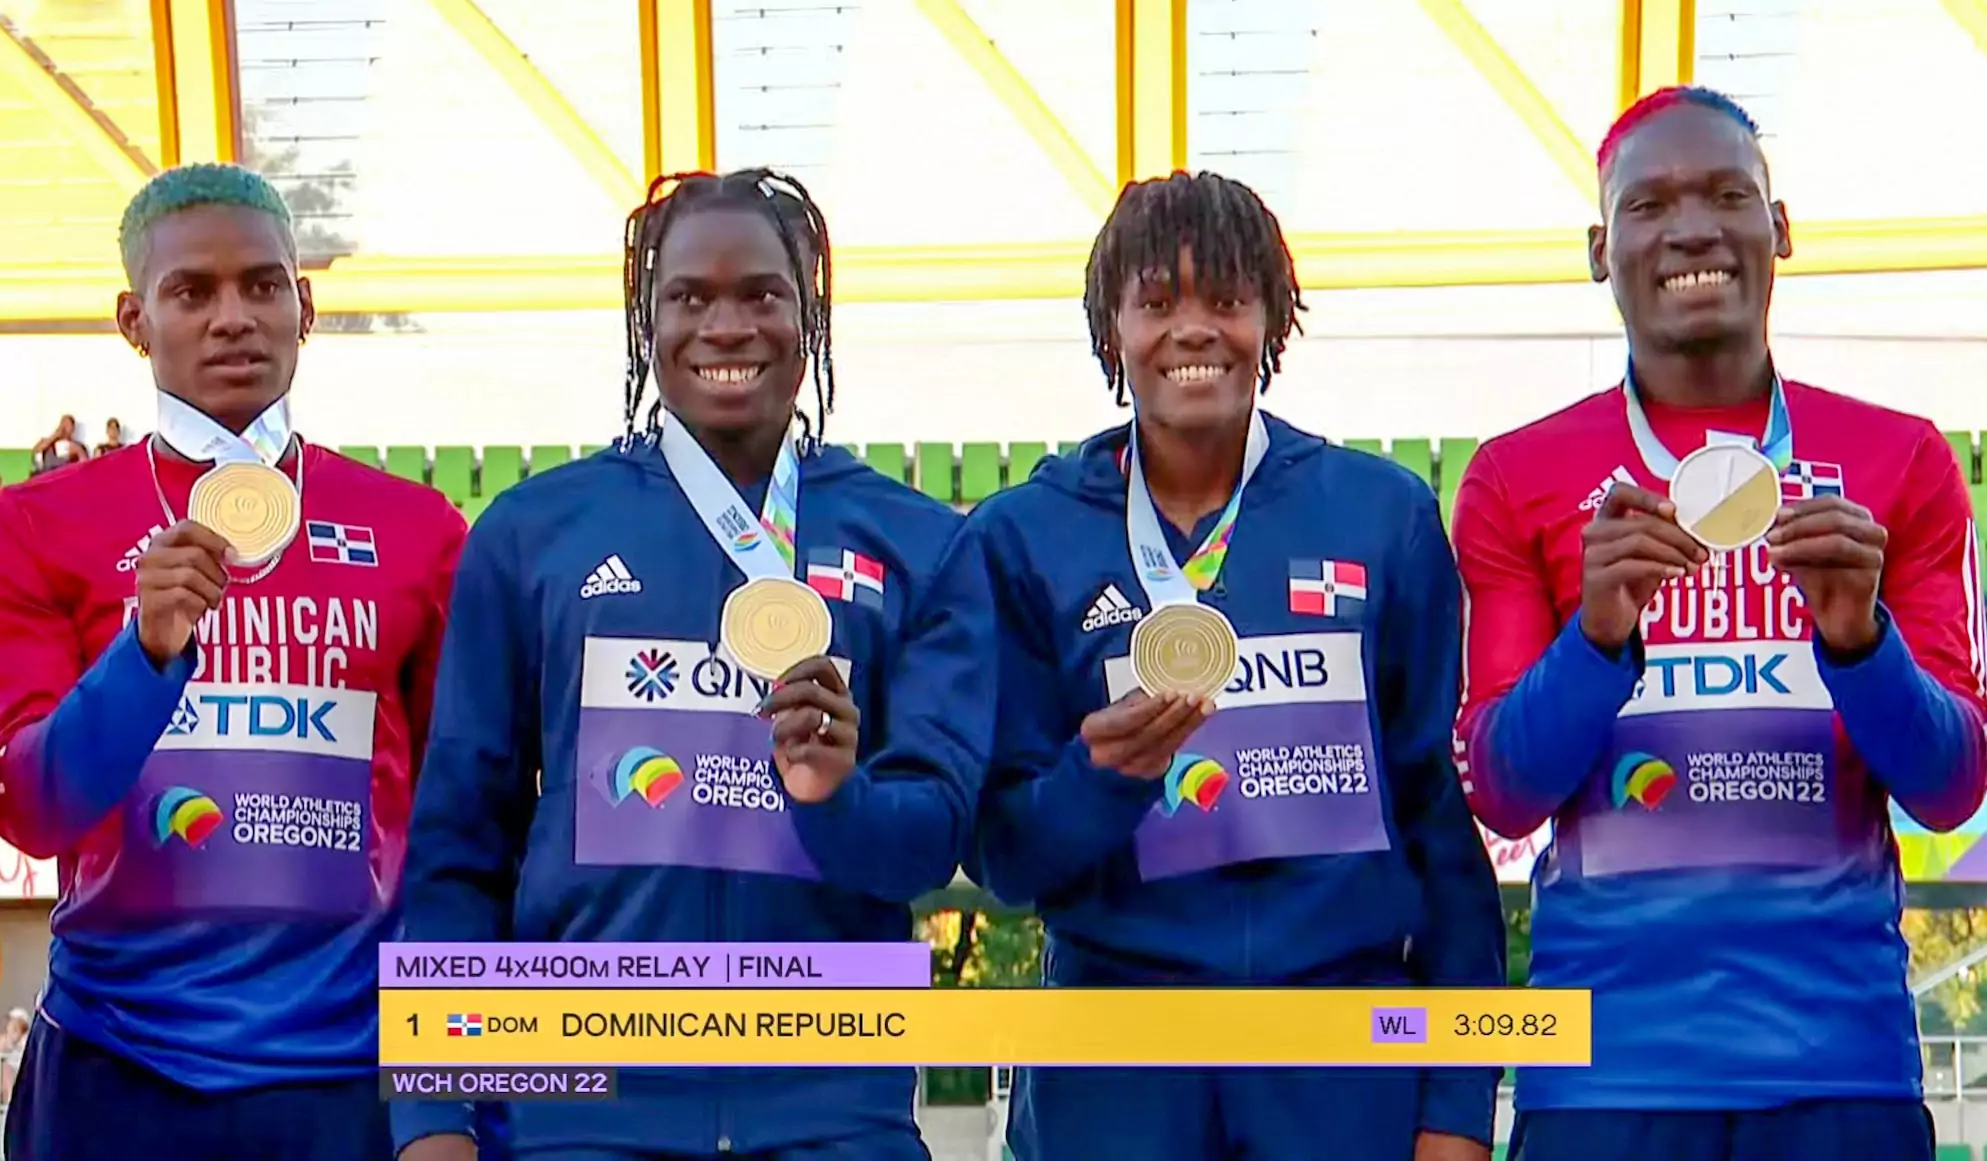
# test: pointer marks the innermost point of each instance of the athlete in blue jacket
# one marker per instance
(589, 612)
(1309, 831)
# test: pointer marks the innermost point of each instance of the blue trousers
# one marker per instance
(886, 1146)
(1853, 1130)
(74, 1101)
(1201, 1114)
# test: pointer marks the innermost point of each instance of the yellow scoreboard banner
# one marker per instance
(633, 1028)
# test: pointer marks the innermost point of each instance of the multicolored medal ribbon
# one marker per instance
(773, 621)
(1183, 646)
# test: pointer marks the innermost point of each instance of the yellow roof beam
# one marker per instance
(68, 108)
(538, 94)
(1517, 92)
(1152, 88)
(992, 273)
(199, 104)
(1658, 46)
(1014, 92)
(1970, 15)
(679, 108)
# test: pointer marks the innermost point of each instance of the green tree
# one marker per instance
(1938, 938)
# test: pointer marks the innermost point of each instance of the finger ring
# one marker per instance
(827, 719)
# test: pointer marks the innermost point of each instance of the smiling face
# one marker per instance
(1691, 233)
(1191, 351)
(728, 350)
(221, 308)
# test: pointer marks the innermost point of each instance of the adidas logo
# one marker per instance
(129, 561)
(611, 577)
(1110, 608)
(1599, 495)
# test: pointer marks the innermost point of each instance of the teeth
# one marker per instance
(730, 376)
(1696, 279)
(1199, 374)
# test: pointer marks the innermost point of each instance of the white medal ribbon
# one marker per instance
(194, 434)
(1152, 558)
(733, 526)
(1776, 443)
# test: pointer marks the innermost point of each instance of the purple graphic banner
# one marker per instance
(1705, 789)
(655, 965)
(675, 788)
(1267, 782)
(228, 830)
(1400, 1025)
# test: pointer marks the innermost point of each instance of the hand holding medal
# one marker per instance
(1834, 551)
(180, 579)
(816, 729)
(1633, 545)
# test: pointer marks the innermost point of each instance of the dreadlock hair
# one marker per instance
(1233, 237)
(185, 187)
(1662, 101)
(803, 232)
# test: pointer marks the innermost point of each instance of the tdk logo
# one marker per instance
(185, 719)
(263, 716)
(1715, 676)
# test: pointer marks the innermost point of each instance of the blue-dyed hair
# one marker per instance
(186, 187)
(1663, 100)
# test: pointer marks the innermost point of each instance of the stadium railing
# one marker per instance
(962, 474)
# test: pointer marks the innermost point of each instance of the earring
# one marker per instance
(144, 350)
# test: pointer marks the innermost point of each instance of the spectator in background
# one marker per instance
(60, 449)
(12, 1045)
(113, 437)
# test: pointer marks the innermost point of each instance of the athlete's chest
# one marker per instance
(343, 606)
(1738, 595)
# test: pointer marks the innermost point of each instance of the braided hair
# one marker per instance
(803, 234)
(1234, 239)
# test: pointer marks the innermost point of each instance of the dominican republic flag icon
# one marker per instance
(1325, 588)
(842, 575)
(341, 543)
(465, 1025)
(1806, 479)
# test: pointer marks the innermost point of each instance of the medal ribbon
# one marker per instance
(760, 548)
(1166, 581)
(1776, 445)
(194, 434)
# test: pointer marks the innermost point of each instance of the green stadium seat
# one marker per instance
(409, 463)
(888, 458)
(368, 456)
(1954, 1153)
(979, 472)
(546, 456)
(591, 448)
(1366, 445)
(455, 473)
(1454, 457)
(16, 464)
(1979, 492)
(1962, 445)
(1068, 447)
(935, 471)
(1416, 456)
(474, 505)
(503, 465)
(1021, 461)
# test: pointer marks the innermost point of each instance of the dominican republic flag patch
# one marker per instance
(341, 543)
(465, 1025)
(842, 575)
(1327, 588)
(1806, 479)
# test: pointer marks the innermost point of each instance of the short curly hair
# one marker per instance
(186, 187)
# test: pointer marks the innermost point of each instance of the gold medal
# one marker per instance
(1727, 495)
(772, 624)
(1187, 649)
(252, 506)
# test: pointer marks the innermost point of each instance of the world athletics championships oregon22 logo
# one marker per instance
(187, 813)
(1642, 778)
(648, 773)
(1196, 779)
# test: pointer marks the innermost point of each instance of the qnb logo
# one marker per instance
(652, 674)
(1714, 676)
(256, 716)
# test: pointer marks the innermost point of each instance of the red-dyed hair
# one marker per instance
(1663, 100)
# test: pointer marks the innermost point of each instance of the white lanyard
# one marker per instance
(761, 547)
(1166, 581)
